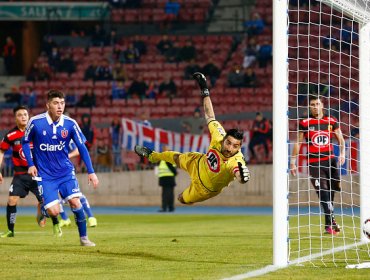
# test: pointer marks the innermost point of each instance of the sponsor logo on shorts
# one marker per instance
(11, 188)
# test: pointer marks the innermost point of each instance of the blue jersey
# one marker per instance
(50, 146)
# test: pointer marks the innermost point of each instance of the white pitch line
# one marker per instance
(272, 268)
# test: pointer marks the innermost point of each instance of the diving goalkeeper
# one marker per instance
(213, 171)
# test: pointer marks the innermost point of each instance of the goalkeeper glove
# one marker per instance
(202, 82)
(245, 175)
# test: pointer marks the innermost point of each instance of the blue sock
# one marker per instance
(86, 206)
(63, 213)
(80, 221)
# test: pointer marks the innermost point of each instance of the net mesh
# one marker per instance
(323, 59)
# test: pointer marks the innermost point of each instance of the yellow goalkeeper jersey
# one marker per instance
(215, 170)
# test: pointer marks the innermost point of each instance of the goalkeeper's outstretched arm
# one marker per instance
(204, 92)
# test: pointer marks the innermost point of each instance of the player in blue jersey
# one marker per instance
(66, 221)
(49, 164)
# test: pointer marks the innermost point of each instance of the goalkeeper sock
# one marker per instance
(11, 213)
(327, 206)
(80, 221)
(86, 206)
(166, 156)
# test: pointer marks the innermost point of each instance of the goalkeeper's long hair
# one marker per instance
(236, 133)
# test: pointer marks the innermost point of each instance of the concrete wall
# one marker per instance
(140, 188)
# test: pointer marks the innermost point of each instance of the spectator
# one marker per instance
(264, 54)
(44, 73)
(103, 159)
(172, 54)
(164, 45)
(118, 90)
(152, 91)
(14, 97)
(260, 129)
(98, 36)
(254, 26)
(71, 97)
(9, 52)
(88, 100)
(250, 53)
(139, 45)
(138, 88)
(131, 54)
(188, 52)
(87, 130)
(29, 97)
(103, 72)
(194, 124)
(167, 87)
(119, 72)
(33, 73)
(116, 132)
(47, 45)
(236, 77)
(190, 69)
(211, 70)
(67, 64)
(112, 38)
(54, 59)
(250, 78)
(348, 35)
(90, 72)
(171, 10)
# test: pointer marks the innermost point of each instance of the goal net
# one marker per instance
(324, 59)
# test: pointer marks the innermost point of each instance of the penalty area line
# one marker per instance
(273, 268)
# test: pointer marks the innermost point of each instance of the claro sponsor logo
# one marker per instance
(52, 148)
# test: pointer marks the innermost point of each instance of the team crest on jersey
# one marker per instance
(311, 128)
(64, 133)
(44, 132)
(213, 161)
(320, 139)
(330, 128)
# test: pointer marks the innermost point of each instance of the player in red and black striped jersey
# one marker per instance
(318, 130)
(22, 182)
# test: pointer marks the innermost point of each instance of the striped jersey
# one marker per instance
(318, 134)
(13, 140)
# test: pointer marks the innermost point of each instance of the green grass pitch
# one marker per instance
(152, 247)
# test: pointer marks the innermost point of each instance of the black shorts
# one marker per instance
(23, 184)
(325, 175)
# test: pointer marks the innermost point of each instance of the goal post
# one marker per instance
(280, 133)
(300, 57)
(364, 101)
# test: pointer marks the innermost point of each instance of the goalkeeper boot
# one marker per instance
(65, 223)
(202, 82)
(57, 230)
(92, 222)
(9, 233)
(143, 151)
(330, 230)
(335, 226)
(84, 241)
